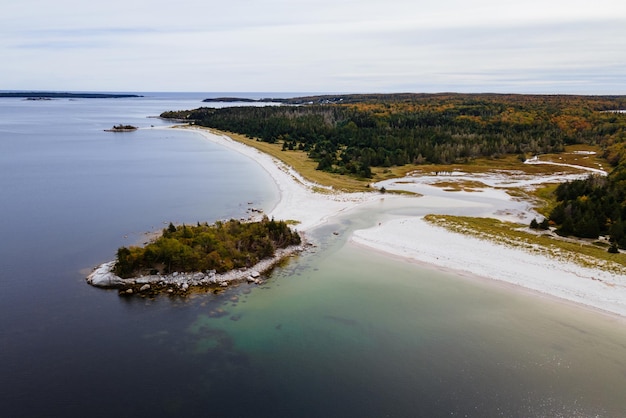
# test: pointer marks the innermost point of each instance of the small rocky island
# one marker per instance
(207, 256)
(122, 128)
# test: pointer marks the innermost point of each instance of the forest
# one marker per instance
(593, 207)
(383, 131)
(222, 247)
(350, 134)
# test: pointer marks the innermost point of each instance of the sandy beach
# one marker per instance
(298, 201)
(413, 238)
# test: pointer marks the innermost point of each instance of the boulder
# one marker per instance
(104, 277)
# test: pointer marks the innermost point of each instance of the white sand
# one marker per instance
(415, 239)
(298, 201)
(421, 241)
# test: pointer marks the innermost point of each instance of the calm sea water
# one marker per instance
(337, 332)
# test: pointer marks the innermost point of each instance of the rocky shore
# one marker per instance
(181, 283)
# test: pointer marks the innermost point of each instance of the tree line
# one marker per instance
(593, 207)
(394, 130)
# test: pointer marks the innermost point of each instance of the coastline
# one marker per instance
(412, 238)
(297, 202)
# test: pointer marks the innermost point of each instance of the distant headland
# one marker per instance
(324, 99)
(42, 95)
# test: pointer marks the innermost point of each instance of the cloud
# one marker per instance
(318, 45)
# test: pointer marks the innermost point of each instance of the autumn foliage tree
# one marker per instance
(350, 134)
(220, 247)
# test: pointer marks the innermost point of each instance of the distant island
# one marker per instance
(42, 95)
(235, 99)
(122, 128)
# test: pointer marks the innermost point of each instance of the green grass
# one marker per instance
(592, 254)
(305, 166)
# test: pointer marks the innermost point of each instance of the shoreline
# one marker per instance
(297, 199)
(493, 282)
(588, 288)
(411, 238)
(297, 202)
(464, 255)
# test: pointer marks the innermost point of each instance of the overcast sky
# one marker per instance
(530, 46)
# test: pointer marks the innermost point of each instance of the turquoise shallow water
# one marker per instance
(339, 331)
(344, 332)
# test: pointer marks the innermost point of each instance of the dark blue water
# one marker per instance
(70, 195)
(337, 332)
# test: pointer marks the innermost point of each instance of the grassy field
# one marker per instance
(574, 154)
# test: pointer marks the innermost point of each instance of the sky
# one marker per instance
(339, 46)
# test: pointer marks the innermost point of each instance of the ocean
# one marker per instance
(339, 331)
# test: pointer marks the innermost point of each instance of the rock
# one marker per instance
(144, 287)
(104, 277)
(129, 291)
(255, 274)
(185, 286)
(224, 284)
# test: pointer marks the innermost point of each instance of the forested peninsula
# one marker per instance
(352, 134)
